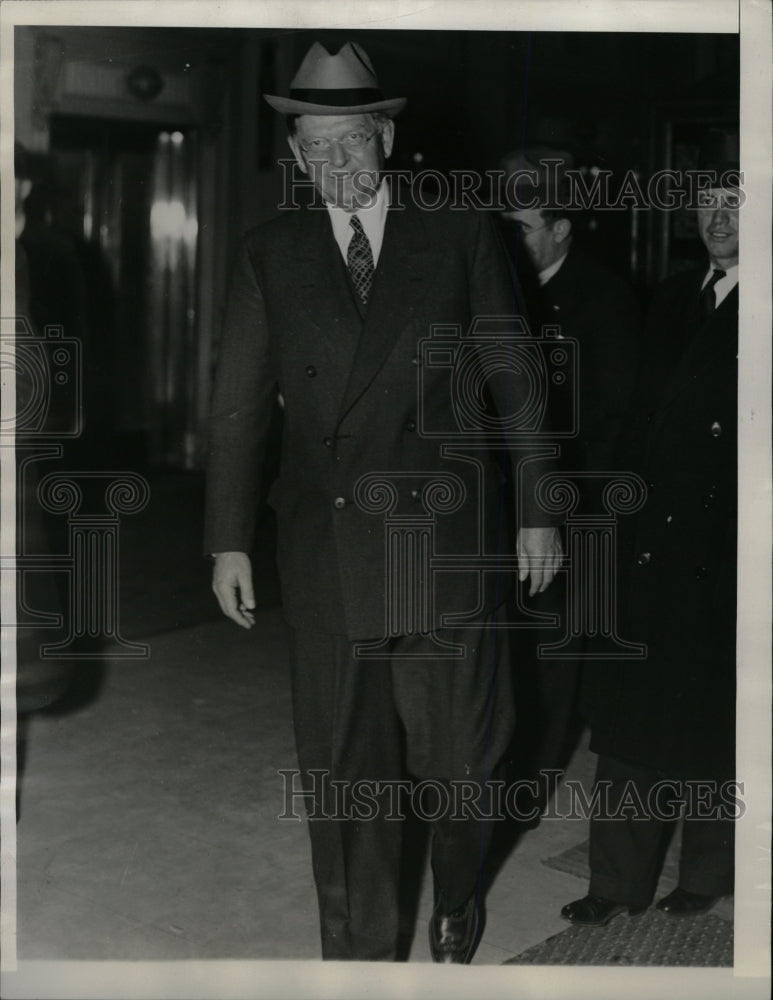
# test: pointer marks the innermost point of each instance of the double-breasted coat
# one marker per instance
(674, 711)
(352, 386)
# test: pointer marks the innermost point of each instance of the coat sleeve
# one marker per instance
(244, 395)
(496, 292)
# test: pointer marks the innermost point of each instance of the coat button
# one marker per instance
(328, 442)
(339, 503)
(708, 500)
(311, 371)
(643, 558)
(416, 360)
(716, 429)
(410, 425)
(701, 572)
(416, 494)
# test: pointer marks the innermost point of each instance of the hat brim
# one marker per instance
(288, 106)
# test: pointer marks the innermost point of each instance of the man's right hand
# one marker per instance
(232, 584)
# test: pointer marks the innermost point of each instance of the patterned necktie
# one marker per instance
(707, 302)
(359, 260)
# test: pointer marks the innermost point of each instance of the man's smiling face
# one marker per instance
(718, 225)
(343, 155)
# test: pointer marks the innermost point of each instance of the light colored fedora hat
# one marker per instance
(335, 85)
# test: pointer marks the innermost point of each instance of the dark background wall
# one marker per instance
(160, 185)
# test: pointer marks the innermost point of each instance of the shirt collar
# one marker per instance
(544, 276)
(724, 286)
(730, 278)
(372, 218)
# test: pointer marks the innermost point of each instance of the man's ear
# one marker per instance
(25, 186)
(562, 230)
(292, 142)
(387, 137)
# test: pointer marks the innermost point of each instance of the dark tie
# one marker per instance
(707, 302)
(359, 260)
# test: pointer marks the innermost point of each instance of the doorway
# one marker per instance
(126, 194)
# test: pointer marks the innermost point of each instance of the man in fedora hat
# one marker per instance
(664, 727)
(328, 307)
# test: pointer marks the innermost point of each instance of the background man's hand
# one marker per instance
(539, 554)
(232, 584)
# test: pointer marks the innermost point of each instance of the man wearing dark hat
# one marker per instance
(568, 288)
(664, 727)
(328, 306)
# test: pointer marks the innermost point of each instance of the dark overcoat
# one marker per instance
(601, 311)
(352, 388)
(675, 710)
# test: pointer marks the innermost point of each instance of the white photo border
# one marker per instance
(302, 979)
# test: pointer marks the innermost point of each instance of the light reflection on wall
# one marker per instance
(167, 219)
(173, 233)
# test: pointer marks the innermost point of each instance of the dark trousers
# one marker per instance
(626, 854)
(373, 720)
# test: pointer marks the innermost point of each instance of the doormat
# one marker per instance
(651, 939)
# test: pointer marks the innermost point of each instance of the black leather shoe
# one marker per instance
(681, 903)
(453, 937)
(595, 911)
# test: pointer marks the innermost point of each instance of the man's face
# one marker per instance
(545, 242)
(343, 156)
(718, 225)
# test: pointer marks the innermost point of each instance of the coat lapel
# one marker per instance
(716, 343)
(564, 290)
(325, 296)
(402, 269)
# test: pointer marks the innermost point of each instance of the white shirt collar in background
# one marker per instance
(725, 285)
(544, 276)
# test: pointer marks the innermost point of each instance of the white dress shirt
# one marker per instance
(373, 220)
(724, 286)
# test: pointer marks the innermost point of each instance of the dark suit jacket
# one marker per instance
(675, 711)
(351, 407)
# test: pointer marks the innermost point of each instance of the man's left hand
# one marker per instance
(539, 554)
